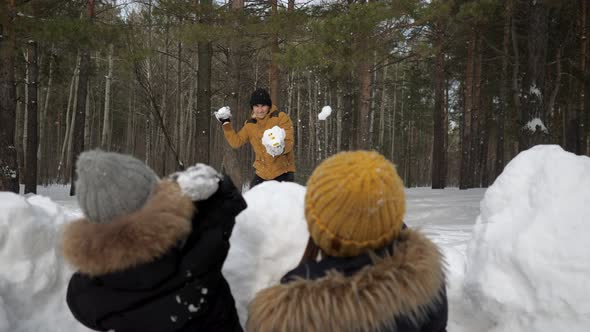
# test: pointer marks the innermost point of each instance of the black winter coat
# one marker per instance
(400, 288)
(158, 269)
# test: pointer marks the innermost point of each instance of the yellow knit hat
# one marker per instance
(355, 202)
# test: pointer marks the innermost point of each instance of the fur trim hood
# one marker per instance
(140, 237)
(408, 283)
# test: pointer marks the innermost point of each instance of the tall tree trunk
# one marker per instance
(534, 78)
(66, 145)
(21, 120)
(484, 141)
(347, 127)
(274, 67)
(8, 163)
(363, 138)
(373, 99)
(42, 154)
(299, 126)
(394, 113)
(203, 119)
(382, 106)
(32, 139)
(438, 141)
(78, 138)
(88, 118)
(504, 102)
(105, 141)
(464, 176)
(233, 160)
(131, 119)
(179, 131)
(584, 114)
(476, 120)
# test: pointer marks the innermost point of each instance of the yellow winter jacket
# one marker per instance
(266, 166)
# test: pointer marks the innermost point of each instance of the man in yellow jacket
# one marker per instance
(265, 117)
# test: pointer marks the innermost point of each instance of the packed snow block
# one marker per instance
(528, 262)
(268, 240)
(33, 277)
(273, 140)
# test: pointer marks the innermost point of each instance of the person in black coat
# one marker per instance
(157, 265)
(374, 274)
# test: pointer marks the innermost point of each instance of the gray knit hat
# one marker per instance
(112, 184)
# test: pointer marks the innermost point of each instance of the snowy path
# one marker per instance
(446, 216)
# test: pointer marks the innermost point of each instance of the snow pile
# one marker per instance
(325, 113)
(198, 182)
(223, 113)
(33, 276)
(528, 261)
(273, 140)
(268, 240)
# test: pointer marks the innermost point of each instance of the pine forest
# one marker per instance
(449, 90)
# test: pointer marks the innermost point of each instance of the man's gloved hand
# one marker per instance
(223, 114)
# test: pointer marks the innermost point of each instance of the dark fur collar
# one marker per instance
(406, 284)
(140, 237)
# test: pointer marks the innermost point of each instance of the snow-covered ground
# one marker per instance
(517, 254)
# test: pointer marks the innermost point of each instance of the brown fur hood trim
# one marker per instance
(140, 237)
(406, 284)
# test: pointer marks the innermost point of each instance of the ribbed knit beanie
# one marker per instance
(112, 184)
(355, 202)
(260, 97)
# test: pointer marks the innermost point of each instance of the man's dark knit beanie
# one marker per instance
(260, 97)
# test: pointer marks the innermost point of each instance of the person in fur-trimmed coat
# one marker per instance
(374, 274)
(149, 253)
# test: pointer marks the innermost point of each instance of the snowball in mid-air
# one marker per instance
(325, 113)
(273, 140)
(528, 261)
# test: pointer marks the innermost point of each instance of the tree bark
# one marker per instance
(42, 154)
(464, 176)
(69, 120)
(438, 142)
(476, 120)
(382, 106)
(583, 113)
(78, 138)
(274, 72)
(233, 160)
(533, 87)
(105, 141)
(179, 131)
(9, 173)
(504, 102)
(516, 83)
(364, 72)
(32, 139)
(203, 119)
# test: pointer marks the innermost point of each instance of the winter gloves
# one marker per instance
(273, 140)
(223, 114)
